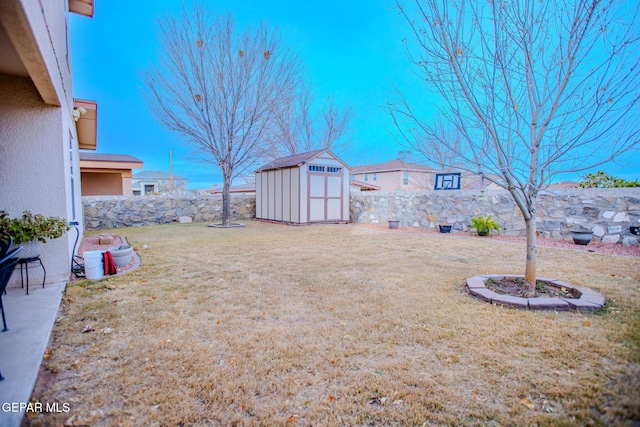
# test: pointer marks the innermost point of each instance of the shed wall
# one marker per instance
(277, 195)
(334, 188)
(279, 192)
(295, 195)
(286, 195)
(303, 194)
(271, 199)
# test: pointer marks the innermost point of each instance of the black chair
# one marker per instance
(7, 264)
(6, 242)
(12, 253)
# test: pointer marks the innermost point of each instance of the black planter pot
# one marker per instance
(393, 224)
(581, 237)
(445, 228)
(483, 232)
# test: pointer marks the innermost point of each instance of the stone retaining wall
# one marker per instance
(608, 212)
(123, 211)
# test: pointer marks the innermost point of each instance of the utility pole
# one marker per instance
(170, 171)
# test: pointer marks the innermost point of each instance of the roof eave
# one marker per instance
(82, 7)
(87, 124)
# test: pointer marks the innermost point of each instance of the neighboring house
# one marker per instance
(362, 186)
(235, 189)
(247, 186)
(394, 175)
(204, 191)
(562, 185)
(158, 182)
(39, 138)
(107, 174)
(467, 180)
(400, 174)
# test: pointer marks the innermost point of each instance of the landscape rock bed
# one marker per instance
(608, 212)
(581, 298)
(92, 243)
(605, 248)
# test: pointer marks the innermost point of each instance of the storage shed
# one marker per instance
(305, 188)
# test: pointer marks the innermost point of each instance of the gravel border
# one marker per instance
(616, 249)
(91, 243)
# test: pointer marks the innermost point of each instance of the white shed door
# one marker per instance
(325, 197)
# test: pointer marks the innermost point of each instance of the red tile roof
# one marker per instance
(364, 186)
(391, 166)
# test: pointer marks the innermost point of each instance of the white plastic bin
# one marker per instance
(93, 265)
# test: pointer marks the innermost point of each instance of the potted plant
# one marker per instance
(121, 255)
(445, 228)
(32, 231)
(581, 236)
(484, 225)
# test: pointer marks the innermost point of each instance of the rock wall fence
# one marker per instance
(131, 211)
(609, 213)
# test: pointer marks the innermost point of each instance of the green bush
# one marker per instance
(30, 227)
(600, 179)
(484, 224)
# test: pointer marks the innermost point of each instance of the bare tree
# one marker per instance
(335, 125)
(433, 151)
(299, 130)
(218, 88)
(293, 131)
(535, 88)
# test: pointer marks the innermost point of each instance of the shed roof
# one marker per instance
(289, 161)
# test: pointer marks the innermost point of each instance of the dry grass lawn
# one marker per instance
(336, 325)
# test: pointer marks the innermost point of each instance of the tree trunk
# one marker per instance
(532, 254)
(226, 201)
(527, 205)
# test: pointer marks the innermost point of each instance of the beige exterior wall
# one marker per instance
(103, 184)
(101, 178)
(36, 125)
(394, 180)
(334, 210)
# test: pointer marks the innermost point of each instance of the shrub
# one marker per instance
(600, 179)
(30, 227)
(484, 224)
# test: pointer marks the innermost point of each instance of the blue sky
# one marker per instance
(351, 49)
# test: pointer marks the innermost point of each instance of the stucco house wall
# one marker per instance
(103, 184)
(394, 180)
(38, 140)
(107, 174)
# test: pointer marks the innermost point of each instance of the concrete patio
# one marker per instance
(30, 319)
